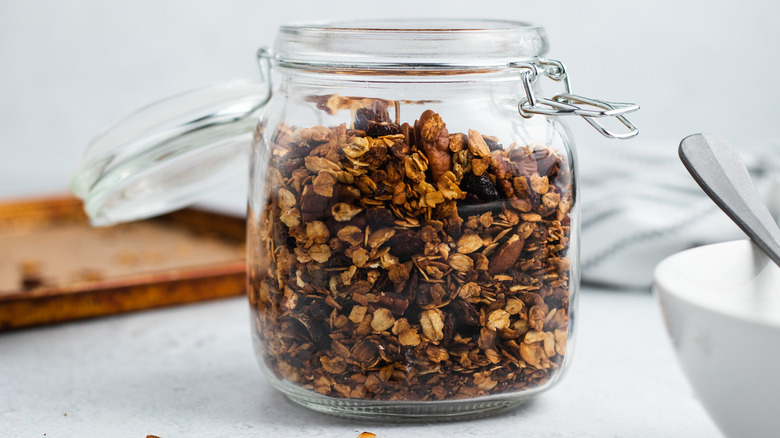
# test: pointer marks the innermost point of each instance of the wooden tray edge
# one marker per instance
(112, 296)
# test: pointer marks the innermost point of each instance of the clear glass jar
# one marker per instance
(412, 238)
(412, 224)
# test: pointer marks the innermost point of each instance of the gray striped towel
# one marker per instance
(639, 205)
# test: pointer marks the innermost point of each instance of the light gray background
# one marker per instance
(67, 69)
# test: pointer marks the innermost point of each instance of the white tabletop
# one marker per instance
(189, 371)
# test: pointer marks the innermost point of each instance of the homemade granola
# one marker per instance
(405, 262)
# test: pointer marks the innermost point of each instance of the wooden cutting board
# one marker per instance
(55, 267)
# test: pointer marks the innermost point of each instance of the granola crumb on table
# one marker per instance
(405, 262)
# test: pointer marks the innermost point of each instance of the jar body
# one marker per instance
(412, 244)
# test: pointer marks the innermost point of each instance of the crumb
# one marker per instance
(31, 274)
(87, 274)
(127, 258)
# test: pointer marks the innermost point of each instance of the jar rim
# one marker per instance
(409, 44)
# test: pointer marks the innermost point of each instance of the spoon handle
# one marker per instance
(717, 168)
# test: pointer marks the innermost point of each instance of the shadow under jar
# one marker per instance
(412, 237)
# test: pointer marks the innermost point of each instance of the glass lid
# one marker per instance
(169, 154)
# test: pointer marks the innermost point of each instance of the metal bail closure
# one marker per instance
(566, 104)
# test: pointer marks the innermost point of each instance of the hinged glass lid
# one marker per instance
(168, 154)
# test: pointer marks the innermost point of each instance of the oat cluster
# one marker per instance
(404, 262)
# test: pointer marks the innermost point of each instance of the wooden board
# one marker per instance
(54, 267)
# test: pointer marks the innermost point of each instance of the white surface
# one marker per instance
(721, 304)
(190, 372)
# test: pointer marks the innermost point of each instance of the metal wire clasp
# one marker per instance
(566, 104)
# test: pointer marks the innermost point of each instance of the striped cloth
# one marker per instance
(639, 205)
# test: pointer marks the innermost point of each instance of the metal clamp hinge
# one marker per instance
(566, 104)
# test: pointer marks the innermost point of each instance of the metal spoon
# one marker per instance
(716, 166)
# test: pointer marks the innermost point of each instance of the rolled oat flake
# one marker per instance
(412, 214)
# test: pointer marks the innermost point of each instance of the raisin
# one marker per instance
(376, 114)
(379, 129)
(380, 218)
(405, 244)
(465, 313)
(480, 187)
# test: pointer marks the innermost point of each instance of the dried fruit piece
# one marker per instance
(480, 187)
(405, 243)
(465, 313)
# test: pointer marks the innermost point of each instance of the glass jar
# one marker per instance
(412, 224)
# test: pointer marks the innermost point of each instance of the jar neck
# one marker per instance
(429, 74)
(492, 83)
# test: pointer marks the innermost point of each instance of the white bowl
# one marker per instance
(721, 306)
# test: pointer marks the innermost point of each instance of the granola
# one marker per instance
(404, 262)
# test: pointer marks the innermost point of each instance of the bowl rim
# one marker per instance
(661, 287)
